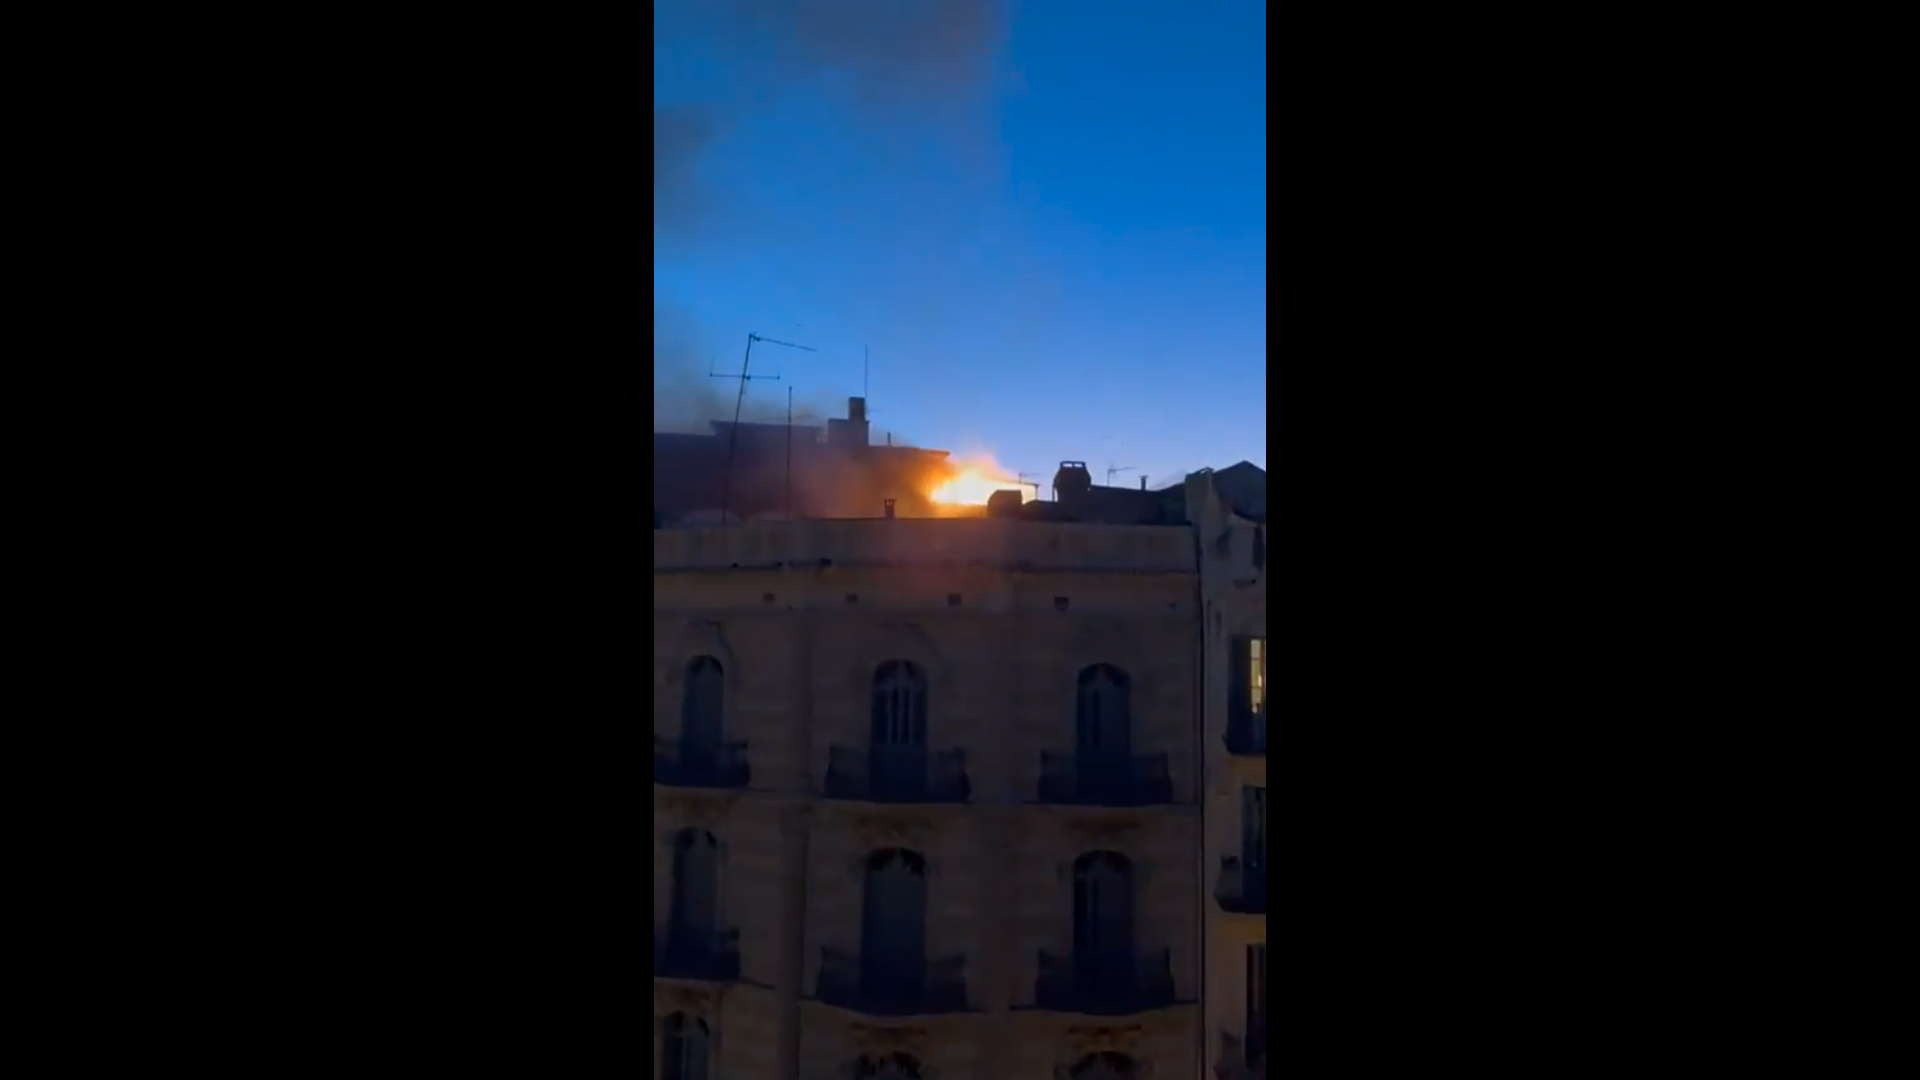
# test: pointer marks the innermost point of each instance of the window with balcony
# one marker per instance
(1256, 983)
(1242, 886)
(702, 703)
(700, 755)
(694, 908)
(693, 943)
(893, 929)
(894, 1066)
(1103, 713)
(685, 1044)
(1102, 912)
(1247, 698)
(1255, 1052)
(892, 975)
(1102, 769)
(1106, 973)
(899, 715)
(1253, 827)
(1257, 674)
(895, 765)
(1105, 1065)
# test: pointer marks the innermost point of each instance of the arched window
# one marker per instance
(1103, 917)
(1253, 827)
(694, 912)
(899, 705)
(702, 701)
(894, 1066)
(1105, 1065)
(1103, 712)
(685, 1045)
(893, 925)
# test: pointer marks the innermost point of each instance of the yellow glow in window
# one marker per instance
(1258, 671)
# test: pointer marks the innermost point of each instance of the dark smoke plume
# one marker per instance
(685, 396)
(680, 133)
(902, 59)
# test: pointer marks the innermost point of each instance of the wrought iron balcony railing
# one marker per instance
(1105, 982)
(1096, 779)
(897, 774)
(890, 985)
(1242, 886)
(680, 762)
(1247, 735)
(705, 954)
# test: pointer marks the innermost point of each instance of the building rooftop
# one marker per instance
(1001, 543)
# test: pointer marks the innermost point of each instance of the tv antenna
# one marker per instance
(1115, 470)
(740, 399)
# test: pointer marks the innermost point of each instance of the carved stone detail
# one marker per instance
(702, 638)
(876, 1041)
(696, 1002)
(1077, 1042)
(874, 831)
(902, 641)
(683, 811)
(1104, 641)
(1095, 834)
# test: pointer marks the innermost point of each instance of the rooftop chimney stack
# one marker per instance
(1072, 483)
(853, 430)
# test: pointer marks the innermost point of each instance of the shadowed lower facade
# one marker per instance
(931, 798)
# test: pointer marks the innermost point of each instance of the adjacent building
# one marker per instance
(1228, 512)
(977, 798)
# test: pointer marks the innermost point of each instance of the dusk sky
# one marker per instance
(1048, 222)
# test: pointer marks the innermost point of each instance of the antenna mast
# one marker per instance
(733, 433)
(1114, 470)
(789, 453)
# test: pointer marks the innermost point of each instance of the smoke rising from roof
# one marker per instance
(901, 58)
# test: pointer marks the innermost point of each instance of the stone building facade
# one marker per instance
(935, 798)
(1230, 529)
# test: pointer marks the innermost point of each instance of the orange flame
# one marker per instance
(971, 484)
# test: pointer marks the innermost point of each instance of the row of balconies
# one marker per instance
(872, 774)
(906, 775)
(1105, 983)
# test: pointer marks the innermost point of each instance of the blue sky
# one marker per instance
(1050, 229)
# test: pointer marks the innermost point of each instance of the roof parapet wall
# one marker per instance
(1002, 544)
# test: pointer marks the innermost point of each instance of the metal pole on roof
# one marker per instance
(733, 433)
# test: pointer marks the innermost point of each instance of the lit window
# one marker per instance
(1257, 670)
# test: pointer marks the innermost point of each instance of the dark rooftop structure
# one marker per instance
(1076, 498)
(781, 470)
(810, 471)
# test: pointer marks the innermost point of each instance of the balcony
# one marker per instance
(1243, 1058)
(891, 985)
(1105, 983)
(1247, 735)
(1120, 780)
(696, 954)
(897, 774)
(1242, 887)
(678, 762)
